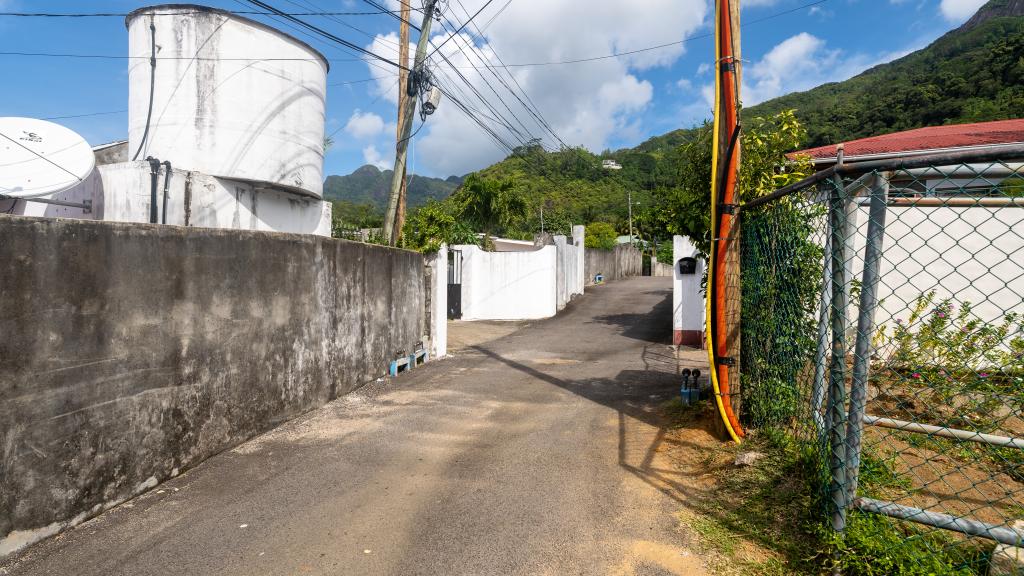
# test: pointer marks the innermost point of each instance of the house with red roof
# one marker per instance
(962, 180)
(929, 140)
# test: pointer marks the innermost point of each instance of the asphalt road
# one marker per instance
(535, 453)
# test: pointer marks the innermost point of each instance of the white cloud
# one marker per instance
(798, 63)
(364, 124)
(960, 10)
(586, 104)
(372, 156)
(795, 64)
(684, 84)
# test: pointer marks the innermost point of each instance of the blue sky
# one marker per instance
(609, 103)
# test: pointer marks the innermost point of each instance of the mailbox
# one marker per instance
(687, 265)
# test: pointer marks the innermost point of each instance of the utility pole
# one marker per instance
(403, 96)
(412, 88)
(629, 200)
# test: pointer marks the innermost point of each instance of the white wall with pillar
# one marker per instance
(508, 285)
(438, 264)
(688, 306)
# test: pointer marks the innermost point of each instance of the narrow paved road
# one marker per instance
(532, 454)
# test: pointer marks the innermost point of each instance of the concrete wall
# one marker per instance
(131, 352)
(659, 269)
(437, 301)
(688, 304)
(621, 262)
(567, 277)
(508, 285)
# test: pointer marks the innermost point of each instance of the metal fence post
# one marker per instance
(865, 329)
(818, 387)
(837, 382)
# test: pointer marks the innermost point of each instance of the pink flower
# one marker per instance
(942, 314)
(916, 374)
(983, 375)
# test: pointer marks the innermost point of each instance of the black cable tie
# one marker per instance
(728, 208)
(725, 360)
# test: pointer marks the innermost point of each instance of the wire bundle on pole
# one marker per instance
(724, 169)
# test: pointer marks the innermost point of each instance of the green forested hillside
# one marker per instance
(972, 74)
(369, 185)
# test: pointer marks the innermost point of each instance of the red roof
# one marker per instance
(931, 138)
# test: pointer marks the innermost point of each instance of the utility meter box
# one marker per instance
(687, 265)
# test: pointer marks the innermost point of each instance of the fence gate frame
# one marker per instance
(841, 371)
(454, 284)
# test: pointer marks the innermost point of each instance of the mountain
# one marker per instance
(369, 185)
(971, 74)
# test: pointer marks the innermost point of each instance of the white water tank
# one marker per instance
(231, 97)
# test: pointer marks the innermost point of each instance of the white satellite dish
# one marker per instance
(40, 158)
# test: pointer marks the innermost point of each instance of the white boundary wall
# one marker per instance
(521, 285)
(508, 285)
(438, 264)
(688, 306)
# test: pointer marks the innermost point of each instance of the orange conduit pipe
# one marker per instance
(726, 123)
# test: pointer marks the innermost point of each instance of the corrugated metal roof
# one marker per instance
(930, 138)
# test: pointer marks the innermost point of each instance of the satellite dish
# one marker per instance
(40, 158)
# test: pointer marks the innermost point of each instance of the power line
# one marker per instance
(532, 107)
(397, 16)
(179, 13)
(199, 58)
(85, 115)
(325, 34)
(488, 3)
(665, 45)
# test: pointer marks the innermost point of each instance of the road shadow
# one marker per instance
(654, 325)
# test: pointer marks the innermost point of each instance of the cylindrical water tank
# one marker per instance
(231, 97)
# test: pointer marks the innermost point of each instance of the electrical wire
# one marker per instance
(197, 58)
(179, 13)
(666, 44)
(486, 4)
(317, 30)
(84, 115)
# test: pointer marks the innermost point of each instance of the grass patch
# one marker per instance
(777, 505)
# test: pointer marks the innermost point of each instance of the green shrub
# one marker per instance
(600, 236)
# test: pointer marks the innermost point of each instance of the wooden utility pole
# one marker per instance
(403, 95)
(405, 122)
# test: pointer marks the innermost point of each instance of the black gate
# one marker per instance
(454, 284)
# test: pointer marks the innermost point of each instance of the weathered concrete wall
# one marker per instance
(130, 352)
(621, 262)
(508, 285)
(659, 269)
(688, 304)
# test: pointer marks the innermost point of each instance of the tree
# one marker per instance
(491, 205)
(600, 236)
(686, 208)
(434, 224)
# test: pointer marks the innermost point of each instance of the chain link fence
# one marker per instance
(881, 327)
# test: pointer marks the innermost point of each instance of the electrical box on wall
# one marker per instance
(687, 265)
